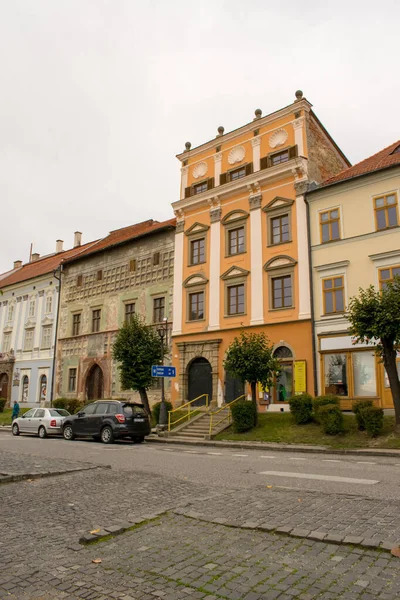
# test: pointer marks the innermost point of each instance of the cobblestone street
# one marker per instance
(194, 541)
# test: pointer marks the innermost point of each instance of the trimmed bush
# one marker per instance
(331, 419)
(155, 411)
(301, 407)
(243, 416)
(323, 401)
(2, 404)
(373, 420)
(358, 410)
(72, 405)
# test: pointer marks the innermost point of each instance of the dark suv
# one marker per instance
(108, 420)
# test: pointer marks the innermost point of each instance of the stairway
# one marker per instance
(198, 430)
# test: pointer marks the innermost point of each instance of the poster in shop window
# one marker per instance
(300, 377)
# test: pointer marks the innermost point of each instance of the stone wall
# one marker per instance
(324, 160)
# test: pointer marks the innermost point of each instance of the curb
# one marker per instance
(13, 477)
(277, 447)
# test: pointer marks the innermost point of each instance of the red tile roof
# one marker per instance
(379, 161)
(126, 234)
(44, 265)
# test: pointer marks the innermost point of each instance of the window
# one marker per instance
(6, 342)
(236, 299)
(386, 211)
(129, 311)
(49, 304)
(76, 324)
(28, 343)
(364, 373)
(236, 240)
(329, 225)
(79, 280)
(43, 388)
(282, 292)
(279, 229)
(46, 337)
(333, 292)
(387, 275)
(39, 414)
(336, 379)
(90, 409)
(102, 408)
(280, 157)
(25, 390)
(132, 265)
(196, 306)
(99, 275)
(72, 380)
(158, 310)
(10, 315)
(197, 251)
(237, 174)
(32, 304)
(156, 259)
(96, 314)
(200, 187)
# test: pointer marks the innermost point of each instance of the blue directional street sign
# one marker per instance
(160, 371)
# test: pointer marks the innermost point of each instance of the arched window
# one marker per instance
(25, 388)
(283, 389)
(43, 388)
(283, 352)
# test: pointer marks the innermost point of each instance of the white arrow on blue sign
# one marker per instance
(161, 371)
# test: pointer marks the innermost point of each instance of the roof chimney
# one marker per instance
(59, 246)
(17, 264)
(35, 256)
(77, 238)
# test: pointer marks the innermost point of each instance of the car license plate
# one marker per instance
(138, 420)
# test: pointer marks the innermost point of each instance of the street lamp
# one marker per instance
(163, 333)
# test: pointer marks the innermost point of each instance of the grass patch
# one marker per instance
(5, 416)
(281, 428)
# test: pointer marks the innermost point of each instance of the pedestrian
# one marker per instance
(15, 411)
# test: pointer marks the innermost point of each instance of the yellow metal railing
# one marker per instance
(228, 405)
(189, 414)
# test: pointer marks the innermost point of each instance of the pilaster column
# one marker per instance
(178, 276)
(215, 261)
(39, 314)
(256, 143)
(18, 324)
(3, 314)
(184, 180)
(303, 269)
(217, 167)
(257, 289)
(298, 126)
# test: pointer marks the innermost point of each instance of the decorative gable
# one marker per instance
(196, 279)
(234, 272)
(30, 323)
(196, 228)
(47, 321)
(279, 262)
(233, 216)
(278, 202)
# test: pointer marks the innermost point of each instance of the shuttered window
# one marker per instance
(278, 158)
(199, 188)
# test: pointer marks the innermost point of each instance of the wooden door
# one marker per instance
(4, 386)
(200, 381)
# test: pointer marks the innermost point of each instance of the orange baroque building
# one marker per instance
(242, 253)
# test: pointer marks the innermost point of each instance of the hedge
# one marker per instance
(301, 407)
(320, 401)
(2, 404)
(72, 405)
(155, 411)
(373, 420)
(331, 419)
(243, 416)
(358, 410)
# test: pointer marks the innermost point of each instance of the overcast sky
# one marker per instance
(98, 96)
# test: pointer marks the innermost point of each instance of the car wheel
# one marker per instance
(137, 440)
(42, 432)
(68, 433)
(15, 429)
(107, 436)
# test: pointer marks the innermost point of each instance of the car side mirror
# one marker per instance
(23, 416)
(81, 414)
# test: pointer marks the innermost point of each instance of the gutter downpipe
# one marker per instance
(57, 274)
(314, 349)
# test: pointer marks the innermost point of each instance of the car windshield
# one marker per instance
(58, 412)
(130, 409)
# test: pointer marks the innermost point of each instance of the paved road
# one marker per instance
(200, 539)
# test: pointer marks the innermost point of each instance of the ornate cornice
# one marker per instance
(215, 215)
(180, 226)
(218, 157)
(256, 141)
(255, 202)
(279, 262)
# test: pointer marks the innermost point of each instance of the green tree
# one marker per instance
(374, 317)
(136, 348)
(250, 358)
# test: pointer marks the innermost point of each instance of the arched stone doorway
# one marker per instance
(95, 384)
(199, 380)
(4, 386)
(283, 389)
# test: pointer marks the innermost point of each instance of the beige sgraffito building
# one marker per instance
(355, 242)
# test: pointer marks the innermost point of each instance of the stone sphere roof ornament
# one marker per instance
(258, 113)
(221, 130)
(188, 145)
(299, 95)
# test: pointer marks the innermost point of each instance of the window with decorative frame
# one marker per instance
(158, 309)
(10, 312)
(279, 232)
(386, 211)
(237, 173)
(46, 336)
(32, 306)
(72, 379)
(235, 232)
(281, 279)
(196, 306)
(96, 318)
(236, 299)
(129, 311)
(333, 294)
(329, 225)
(76, 324)
(279, 221)
(282, 294)
(6, 342)
(387, 275)
(236, 240)
(28, 341)
(49, 304)
(197, 251)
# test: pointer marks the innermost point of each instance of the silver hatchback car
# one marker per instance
(41, 422)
